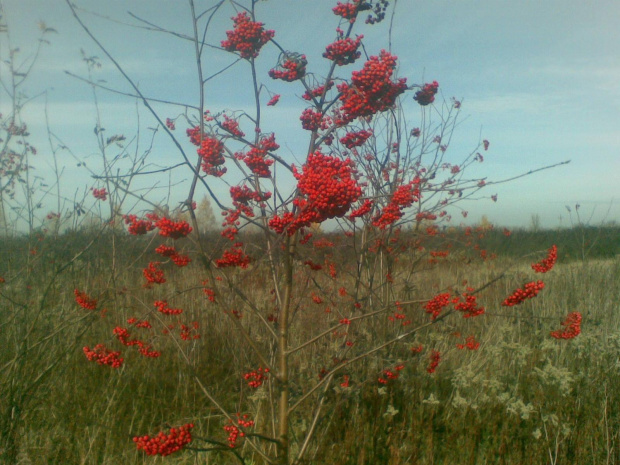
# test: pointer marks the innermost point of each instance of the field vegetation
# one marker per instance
(522, 397)
(334, 313)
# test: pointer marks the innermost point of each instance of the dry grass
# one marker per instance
(522, 398)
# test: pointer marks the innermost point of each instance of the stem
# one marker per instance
(283, 367)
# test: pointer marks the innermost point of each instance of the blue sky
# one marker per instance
(539, 80)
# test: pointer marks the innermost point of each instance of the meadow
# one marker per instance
(521, 397)
(212, 280)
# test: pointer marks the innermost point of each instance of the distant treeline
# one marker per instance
(45, 252)
(577, 243)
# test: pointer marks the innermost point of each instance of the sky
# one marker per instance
(539, 80)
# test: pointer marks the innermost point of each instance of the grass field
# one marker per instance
(522, 398)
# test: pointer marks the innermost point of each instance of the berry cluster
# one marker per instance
(470, 343)
(194, 135)
(256, 378)
(329, 186)
(84, 300)
(404, 196)
(256, 158)
(209, 293)
(426, 95)
(314, 120)
(273, 100)
(425, 216)
(138, 227)
(189, 332)
(547, 263)
(572, 327)
(317, 91)
(469, 306)
(347, 10)
(170, 124)
(398, 315)
(327, 189)
(529, 291)
(343, 51)
(103, 356)
(283, 223)
(232, 126)
(389, 374)
(234, 433)
(139, 324)
(257, 163)
(233, 257)
(365, 208)
(241, 196)
(231, 232)
(165, 444)
(178, 259)
(439, 253)
(268, 143)
(371, 90)
(146, 351)
(417, 349)
(166, 251)
(291, 67)
(162, 307)
(153, 274)
(211, 152)
(438, 303)
(322, 243)
(181, 260)
(435, 358)
(173, 229)
(313, 266)
(124, 337)
(100, 194)
(355, 139)
(247, 37)
(332, 269)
